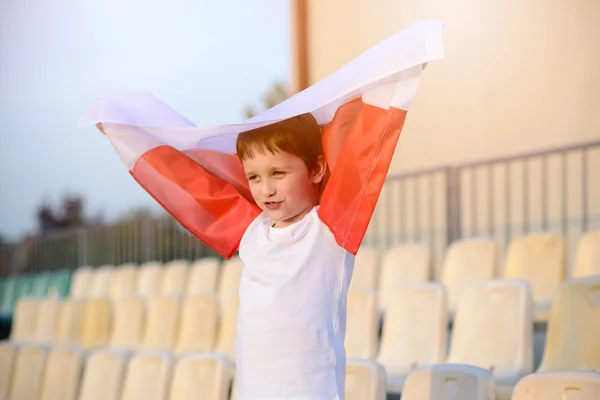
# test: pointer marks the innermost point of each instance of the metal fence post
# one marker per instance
(453, 225)
(82, 256)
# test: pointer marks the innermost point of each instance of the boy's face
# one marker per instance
(282, 185)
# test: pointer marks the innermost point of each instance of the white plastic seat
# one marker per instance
(401, 265)
(467, 262)
(148, 376)
(366, 269)
(103, 375)
(96, 325)
(198, 324)
(8, 355)
(47, 320)
(362, 327)
(102, 281)
(227, 327)
(365, 380)
(573, 336)
(563, 385)
(174, 278)
(124, 281)
(587, 258)
(61, 376)
(26, 383)
(24, 320)
(70, 321)
(540, 260)
(202, 376)
(129, 315)
(449, 381)
(493, 330)
(229, 281)
(408, 339)
(203, 276)
(149, 279)
(162, 323)
(81, 282)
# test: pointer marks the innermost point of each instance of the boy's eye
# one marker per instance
(252, 177)
(278, 173)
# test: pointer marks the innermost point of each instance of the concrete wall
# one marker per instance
(518, 76)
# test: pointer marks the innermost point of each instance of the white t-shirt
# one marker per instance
(291, 321)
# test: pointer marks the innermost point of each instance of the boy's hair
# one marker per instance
(299, 136)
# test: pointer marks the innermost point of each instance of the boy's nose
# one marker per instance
(268, 189)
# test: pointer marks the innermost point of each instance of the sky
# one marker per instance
(207, 59)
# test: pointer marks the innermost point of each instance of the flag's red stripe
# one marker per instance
(360, 141)
(209, 207)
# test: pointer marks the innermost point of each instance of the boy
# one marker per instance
(295, 200)
(292, 309)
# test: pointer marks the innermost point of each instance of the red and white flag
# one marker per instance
(195, 174)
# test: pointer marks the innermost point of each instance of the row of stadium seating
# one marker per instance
(65, 373)
(492, 328)
(184, 309)
(538, 258)
(56, 283)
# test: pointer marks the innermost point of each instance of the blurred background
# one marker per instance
(502, 142)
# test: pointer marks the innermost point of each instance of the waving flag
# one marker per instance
(195, 174)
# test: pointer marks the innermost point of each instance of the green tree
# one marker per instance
(275, 95)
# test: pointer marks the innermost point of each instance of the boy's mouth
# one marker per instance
(273, 205)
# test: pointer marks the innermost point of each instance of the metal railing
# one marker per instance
(556, 189)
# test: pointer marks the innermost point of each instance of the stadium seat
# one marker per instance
(198, 324)
(96, 324)
(148, 376)
(203, 276)
(103, 375)
(30, 362)
(467, 262)
(129, 317)
(573, 337)
(70, 320)
(24, 286)
(162, 323)
(61, 376)
(174, 278)
(408, 339)
(101, 281)
(226, 333)
(8, 354)
(401, 265)
(124, 281)
(24, 321)
(59, 283)
(366, 269)
(149, 278)
(81, 282)
(229, 281)
(202, 376)
(540, 260)
(362, 326)
(365, 380)
(561, 385)
(449, 381)
(587, 258)
(40, 283)
(47, 320)
(493, 330)
(9, 296)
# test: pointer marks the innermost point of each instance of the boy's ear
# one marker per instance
(319, 170)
